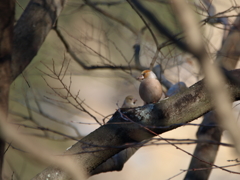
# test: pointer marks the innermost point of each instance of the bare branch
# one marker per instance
(92, 67)
(41, 154)
(49, 130)
(195, 46)
(207, 151)
(152, 34)
(109, 138)
(120, 21)
(214, 77)
(31, 30)
(79, 103)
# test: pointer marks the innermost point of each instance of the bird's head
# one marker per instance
(129, 102)
(147, 74)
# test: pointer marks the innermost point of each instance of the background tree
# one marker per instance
(88, 51)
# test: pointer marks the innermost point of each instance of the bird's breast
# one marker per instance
(150, 90)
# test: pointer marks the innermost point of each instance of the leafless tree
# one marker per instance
(113, 39)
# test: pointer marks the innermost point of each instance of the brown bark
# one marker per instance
(209, 131)
(31, 30)
(6, 34)
(117, 162)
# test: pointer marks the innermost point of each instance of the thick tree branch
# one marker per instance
(7, 9)
(116, 162)
(127, 125)
(31, 30)
(205, 151)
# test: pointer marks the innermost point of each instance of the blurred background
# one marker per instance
(104, 35)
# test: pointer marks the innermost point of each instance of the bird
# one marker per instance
(129, 102)
(150, 89)
(176, 88)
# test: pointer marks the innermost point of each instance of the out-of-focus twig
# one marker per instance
(151, 32)
(213, 17)
(49, 130)
(42, 154)
(49, 117)
(107, 3)
(207, 151)
(214, 78)
(229, 53)
(120, 21)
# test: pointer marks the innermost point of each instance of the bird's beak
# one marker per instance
(140, 77)
(134, 101)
